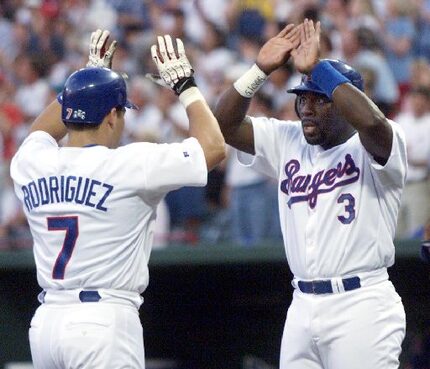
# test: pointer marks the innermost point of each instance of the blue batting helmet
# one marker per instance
(89, 94)
(307, 85)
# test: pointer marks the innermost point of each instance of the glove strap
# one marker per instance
(250, 82)
(184, 84)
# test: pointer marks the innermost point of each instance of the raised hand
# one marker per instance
(276, 51)
(306, 55)
(98, 56)
(174, 69)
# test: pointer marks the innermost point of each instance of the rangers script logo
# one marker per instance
(308, 187)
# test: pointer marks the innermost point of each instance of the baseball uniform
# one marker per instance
(338, 211)
(91, 211)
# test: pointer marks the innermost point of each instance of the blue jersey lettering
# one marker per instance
(71, 189)
(109, 189)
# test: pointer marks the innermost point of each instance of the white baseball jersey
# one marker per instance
(338, 207)
(91, 210)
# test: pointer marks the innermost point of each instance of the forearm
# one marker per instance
(363, 114)
(230, 112)
(204, 127)
(233, 105)
(50, 121)
(356, 108)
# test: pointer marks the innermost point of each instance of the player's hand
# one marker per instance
(174, 68)
(276, 51)
(99, 56)
(306, 55)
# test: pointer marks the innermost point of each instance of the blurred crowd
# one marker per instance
(43, 41)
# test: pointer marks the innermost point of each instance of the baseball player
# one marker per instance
(91, 208)
(340, 172)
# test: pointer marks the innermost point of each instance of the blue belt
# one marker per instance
(89, 296)
(84, 296)
(324, 286)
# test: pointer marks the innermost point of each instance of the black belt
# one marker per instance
(324, 286)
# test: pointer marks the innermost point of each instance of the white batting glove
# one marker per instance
(174, 70)
(99, 57)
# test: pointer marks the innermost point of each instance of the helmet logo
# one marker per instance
(75, 113)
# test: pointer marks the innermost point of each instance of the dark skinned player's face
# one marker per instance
(321, 123)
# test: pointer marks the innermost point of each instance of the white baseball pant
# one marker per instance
(359, 329)
(90, 335)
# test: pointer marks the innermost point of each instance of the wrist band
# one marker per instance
(327, 77)
(190, 95)
(250, 82)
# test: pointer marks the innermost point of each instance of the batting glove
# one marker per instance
(99, 57)
(174, 70)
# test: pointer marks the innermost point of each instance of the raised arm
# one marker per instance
(176, 72)
(353, 105)
(234, 103)
(50, 118)
(374, 130)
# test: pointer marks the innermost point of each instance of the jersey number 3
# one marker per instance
(70, 225)
(349, 201)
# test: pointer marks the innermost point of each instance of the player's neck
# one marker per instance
(82, 139)
(340, 139)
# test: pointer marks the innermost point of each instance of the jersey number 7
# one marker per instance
(71, 226)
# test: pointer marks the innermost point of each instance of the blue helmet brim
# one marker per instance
(307, 86)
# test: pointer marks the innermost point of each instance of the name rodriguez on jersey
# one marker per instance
(79, 190)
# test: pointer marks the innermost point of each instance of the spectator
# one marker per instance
(420, 73)
(398, 40)
(33, 89)
(362, 14)
(200, 12)
(248, 18)
(415, 120)
(421, 45)
(360, 49)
